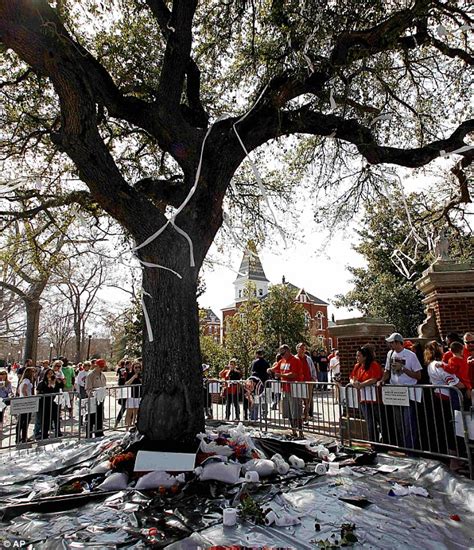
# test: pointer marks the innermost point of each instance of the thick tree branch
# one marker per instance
(194, 113)
(171, 191)
(349, 47)
(353, 45)
(37, 35)
(177, 53)
(34, 32)
(268, 125)
(452, 52)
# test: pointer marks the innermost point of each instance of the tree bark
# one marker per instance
(171, 408)
(33, 309)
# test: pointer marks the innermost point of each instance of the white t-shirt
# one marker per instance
(406, 359)
(29, 388)
(81, 378)
(439, 377)
(335, 365)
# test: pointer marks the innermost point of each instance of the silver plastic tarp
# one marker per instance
(387, 522)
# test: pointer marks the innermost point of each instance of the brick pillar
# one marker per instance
(449, 292)
(351, 334)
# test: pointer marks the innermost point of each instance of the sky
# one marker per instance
(317, 265)
(317, 262)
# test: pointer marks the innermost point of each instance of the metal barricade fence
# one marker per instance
(314, 405)
(113, 408)
(39, 418)
(226, 400)
(418, 419)
(311, 407)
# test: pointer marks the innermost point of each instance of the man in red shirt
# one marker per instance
(290, 369)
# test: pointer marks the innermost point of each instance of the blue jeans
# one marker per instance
(323, 377)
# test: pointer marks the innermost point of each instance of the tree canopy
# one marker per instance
(124, 97)
(383, 288)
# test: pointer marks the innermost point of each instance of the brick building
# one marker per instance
(210, 323)
(251, 271)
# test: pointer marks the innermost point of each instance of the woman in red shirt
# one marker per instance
(232, 388)
(365, 374)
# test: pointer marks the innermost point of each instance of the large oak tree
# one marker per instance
(128, 96)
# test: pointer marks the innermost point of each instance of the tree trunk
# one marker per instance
(78, 356)
(171, 408)
(33, 309)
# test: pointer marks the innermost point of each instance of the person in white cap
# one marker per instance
(402, 367)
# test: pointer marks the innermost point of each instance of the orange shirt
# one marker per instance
(447, 356)
(361, 375)
(229, 376)
(291, 365)
(459, 367)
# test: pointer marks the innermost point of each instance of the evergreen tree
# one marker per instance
(381, 289)
(283, 319)
(244, 331)
(129, 100)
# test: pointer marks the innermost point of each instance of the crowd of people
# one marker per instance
(427, 417)
(426, 423)
(57, 383)
(315, 367)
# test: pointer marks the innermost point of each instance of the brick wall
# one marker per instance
(351, 334)
(454, 314)
(448, 287)
(349, 345)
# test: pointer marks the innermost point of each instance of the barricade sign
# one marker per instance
(468, 419)
(92, 405)
(25, 405)
(214, 387)
(395, 396)
(350, 396)
(272, 387)
(124, 392)
(299, 390)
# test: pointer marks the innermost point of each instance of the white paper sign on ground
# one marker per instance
(148, 461)
(214, 387)
(459, 424)
(387, 469)
(395, 396)
(299, 390)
